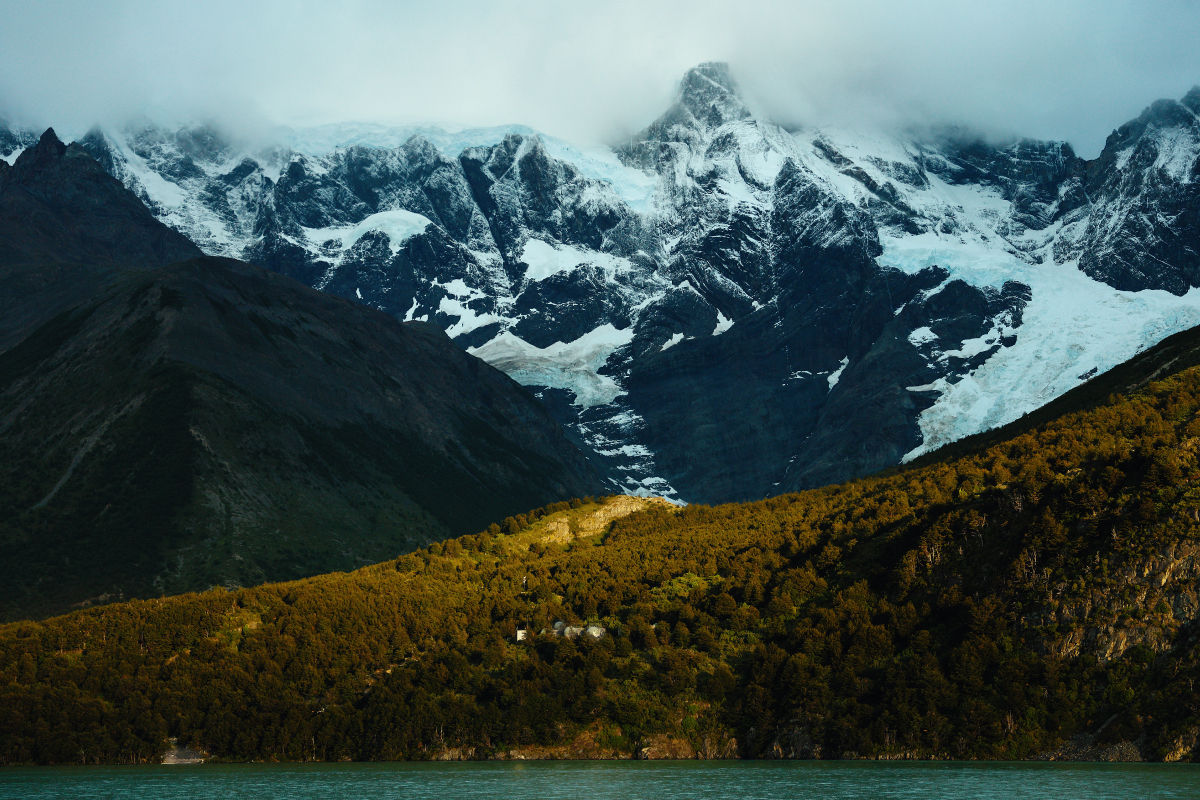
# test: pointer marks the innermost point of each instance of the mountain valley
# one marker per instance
(308, 444)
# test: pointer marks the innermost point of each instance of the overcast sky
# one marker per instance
(594, 71)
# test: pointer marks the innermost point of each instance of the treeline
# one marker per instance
(956, 610)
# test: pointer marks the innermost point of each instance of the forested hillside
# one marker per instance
(994, 606)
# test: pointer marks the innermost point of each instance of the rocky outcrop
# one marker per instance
(561, 530)
(1085, 747)
(1160, 594)
(182, 755)
(1183, 746)
(794, 742)
(662, 746)
(584, 746)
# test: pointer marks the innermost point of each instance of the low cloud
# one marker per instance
(595, 72)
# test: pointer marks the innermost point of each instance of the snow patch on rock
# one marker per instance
(543, 260)
(571, 365)
(836, 375)
(921, 336)
(398, 225)
(723, 324)
(456, 303)
(634, 187)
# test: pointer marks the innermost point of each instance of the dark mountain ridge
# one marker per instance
(66, 229)
(170, 426)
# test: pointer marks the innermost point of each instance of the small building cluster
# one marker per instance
(560, 628)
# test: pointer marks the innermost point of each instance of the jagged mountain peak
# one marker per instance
(710, 93)
(1146, 176)
(1166, 113)
(48, 145)
(417, 146)
(1162, 114)
(717, 72)
(51, 187)
(708, 98)
(512, 150)
(48, 151)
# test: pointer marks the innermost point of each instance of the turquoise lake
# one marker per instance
(629, 780)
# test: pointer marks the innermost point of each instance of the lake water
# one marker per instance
(627, 780)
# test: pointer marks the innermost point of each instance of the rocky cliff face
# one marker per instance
(720, 309)
(1144, 228)
(1159, 596)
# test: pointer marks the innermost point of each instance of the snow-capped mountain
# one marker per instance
(722, 309)
(14, 141)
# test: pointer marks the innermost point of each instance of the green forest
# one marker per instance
(991, 607)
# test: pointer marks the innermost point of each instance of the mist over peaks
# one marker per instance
(1062, 70)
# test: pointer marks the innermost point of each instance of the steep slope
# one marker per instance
(172, 427)
(1036, 599)
(720, 308)
(989, 215)
(1145, 221)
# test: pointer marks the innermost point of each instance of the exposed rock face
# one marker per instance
(1182, 746)
(1162, 594)
(167, 428)
(720, 309)
(559, 531)
(582, 746)
(794, 742)
(182, 755)
(1144, 228)
(1084, 747)
(660, 746)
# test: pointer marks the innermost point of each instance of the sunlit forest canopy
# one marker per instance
(991, 606)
